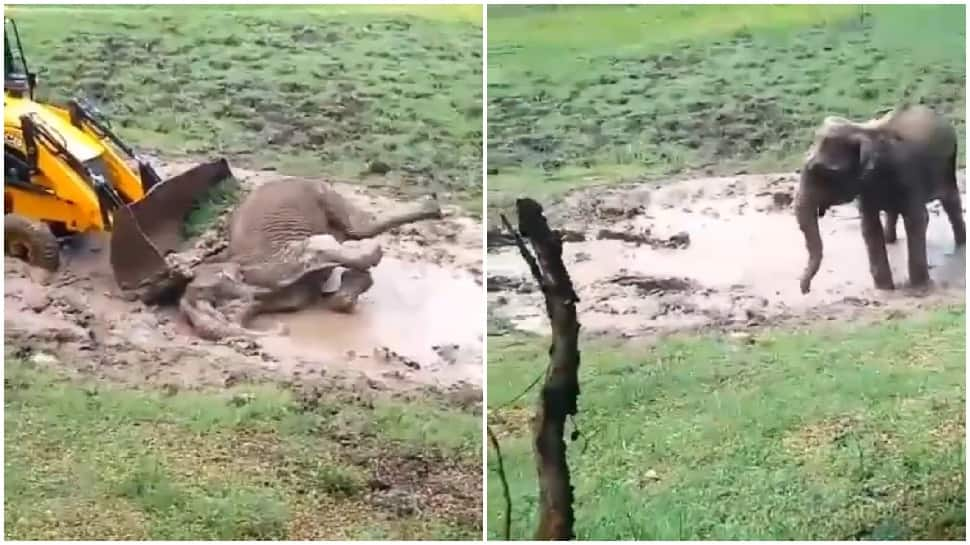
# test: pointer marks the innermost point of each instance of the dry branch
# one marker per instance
(507, 534)
(560, 390)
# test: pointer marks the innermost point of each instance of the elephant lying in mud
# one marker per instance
(896, 164)
(286, 240)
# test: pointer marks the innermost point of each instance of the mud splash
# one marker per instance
(736, 261)
(419, 326)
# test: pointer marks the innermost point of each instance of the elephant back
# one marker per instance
(273, 215)
(924, 128)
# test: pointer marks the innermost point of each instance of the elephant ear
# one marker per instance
(868, 156)
(836, 152)
(834, 164)
(849, 156)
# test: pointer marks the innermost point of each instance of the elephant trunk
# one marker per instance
(806, 210)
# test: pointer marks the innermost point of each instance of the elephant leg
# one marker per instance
(331, 283)
(212, 324)
(217, 304)
(341, 213)
(353, 254)
(353, 283)
(915, 220)
(205, 321)
(892, 218)
(290, 299)
(872, 233)
(954, 212)
(357, 224)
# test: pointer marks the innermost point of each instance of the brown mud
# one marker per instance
(714, 253)
(418, 329)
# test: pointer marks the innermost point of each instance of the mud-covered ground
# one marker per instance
(723, 253)
(418, 328)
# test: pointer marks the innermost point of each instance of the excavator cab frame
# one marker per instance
(18, 80)
(87, 118)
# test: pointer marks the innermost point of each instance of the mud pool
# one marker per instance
(714, 252)
(419, 326)
(407, 321)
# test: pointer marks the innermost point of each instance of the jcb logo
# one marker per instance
(13, 140)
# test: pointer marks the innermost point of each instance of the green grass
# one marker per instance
(596, 94)
(207, 208)
(308, 90)
(83, 461)
(826, 434)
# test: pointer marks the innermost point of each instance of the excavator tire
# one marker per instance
(31, 241)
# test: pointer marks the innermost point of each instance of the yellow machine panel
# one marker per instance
(67, 173)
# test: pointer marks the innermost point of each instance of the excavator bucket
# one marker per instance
(144, 232)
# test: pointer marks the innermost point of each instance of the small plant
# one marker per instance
(150, 486)
(335, 480)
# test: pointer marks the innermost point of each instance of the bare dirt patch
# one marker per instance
(732, 260)
(820, 434)
(419, 327)
(510, 421)
(411, 483)
(948, 432)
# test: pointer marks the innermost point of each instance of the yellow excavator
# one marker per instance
(67, 173)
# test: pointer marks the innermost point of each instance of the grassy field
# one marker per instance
(86, 461)
(382, 95)
(827, 434)
(348, 91)
(593, 94)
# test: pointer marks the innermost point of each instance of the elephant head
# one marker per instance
(841, 162)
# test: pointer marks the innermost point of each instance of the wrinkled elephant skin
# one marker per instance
(220, 301)
(286, 240)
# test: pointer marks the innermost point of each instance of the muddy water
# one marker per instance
(420, 319)
(741, 267)
(420, 325)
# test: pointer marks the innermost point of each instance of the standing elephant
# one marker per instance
(896, 164)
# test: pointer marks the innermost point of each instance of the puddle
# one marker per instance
(740, 266)
(416, 315)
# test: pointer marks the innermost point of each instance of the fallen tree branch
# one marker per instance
(521, 394)
(560, 390)
(507, 534)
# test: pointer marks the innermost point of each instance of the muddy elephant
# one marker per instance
(287, 242)
(894, 164)
(221, 300)
(279, 213)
